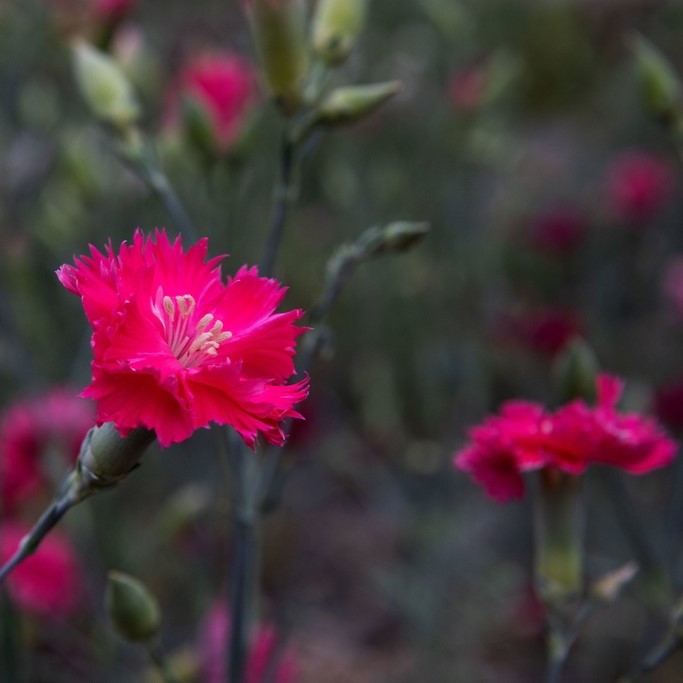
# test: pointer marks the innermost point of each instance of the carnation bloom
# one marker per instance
(175, 348)
(637, 185)
(264, 652)
(223, 86)
(48, 583)
(525, 436)
(32, 433)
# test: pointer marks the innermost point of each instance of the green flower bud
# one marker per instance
(106, 457)
(336, 26)
(575, 372)
(659, 84)
(354, 102)
(134, 612)
(104, 86)
(279, 30)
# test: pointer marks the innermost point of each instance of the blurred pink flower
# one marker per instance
(668, 404)
(526, 437)
(264, 652)
(32, 431)
(558, 230)
(49, 582)
(637, 185)
(175, 349)
(467, 88)
(112, 10)
(223, 86)
(543, 330)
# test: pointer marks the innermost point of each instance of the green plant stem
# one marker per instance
(657, 657)
(283, 202)
(10, 640)
(29, 544)
(161, 663)
(157, 180)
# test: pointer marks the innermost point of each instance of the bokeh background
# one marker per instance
(554, 200)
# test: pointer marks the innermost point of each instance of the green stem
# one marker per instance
(283, 201)
(10, 643)
(29, 544)
(163, 667)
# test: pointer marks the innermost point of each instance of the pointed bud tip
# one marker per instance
(133, 610)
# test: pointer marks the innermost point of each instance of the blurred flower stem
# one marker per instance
(140, 157)
(282, 203)
(161, 663)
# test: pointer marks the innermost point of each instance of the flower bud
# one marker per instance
(575, 370)
(336, 26)
(134, 612)
(279, 30)
(354, 102)
(107, 458)
(104, 86)
(660, 87)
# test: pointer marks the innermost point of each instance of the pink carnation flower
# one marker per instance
(637, 185)
(263, 651)
(175, 348)
(543, 330)
(526, 437)
(33, 431)
(48, 583)
(558, 230)
(223, 86)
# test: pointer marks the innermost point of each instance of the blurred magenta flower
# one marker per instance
(176, 349)
(668, 404)
(543, 330)
(525, 437)
(264, 652)
(637, 185)
(222, 85)
(33, 431)
(467, 88)
(48, 583)
(112, 10)
(557, 230)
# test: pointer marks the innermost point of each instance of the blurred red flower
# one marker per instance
(31, 432)
(637, 185)
(264, 652)
(49, 582)
(222, 85)
(524, 437)
(112, 10)
(176, 349)
(668, 404)
(467, 88)
(557, 231)
(543, 330)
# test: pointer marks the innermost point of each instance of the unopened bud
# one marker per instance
(279, 30)
(106, 457)
(400, 236)
(354, 102)
(197, 126)
(133, 610)
(104, 86)
(336, 26)
(660, 86)
(575, 372)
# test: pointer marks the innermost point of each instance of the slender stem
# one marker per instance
(29, 544)
(283, 201)
(243, 568)
(658, 656)
(161, 663)
(159, 182)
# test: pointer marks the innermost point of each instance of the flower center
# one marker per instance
(190, 344)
